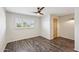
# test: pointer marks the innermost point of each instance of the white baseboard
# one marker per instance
(3, 47)
(21, 39)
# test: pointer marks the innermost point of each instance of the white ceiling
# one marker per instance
(59, 11)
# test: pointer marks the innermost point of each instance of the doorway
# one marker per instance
(55, 27)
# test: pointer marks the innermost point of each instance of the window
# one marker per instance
(23, 22)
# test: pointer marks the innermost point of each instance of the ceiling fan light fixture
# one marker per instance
(38, 14)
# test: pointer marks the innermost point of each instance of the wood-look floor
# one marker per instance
(38, 44)
(66, 44)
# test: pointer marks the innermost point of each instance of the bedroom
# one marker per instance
(39, 33)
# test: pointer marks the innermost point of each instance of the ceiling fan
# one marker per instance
(39, 10)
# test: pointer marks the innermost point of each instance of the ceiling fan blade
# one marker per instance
(41, 14)
(42, 8)
(35, 12)
(38, 8)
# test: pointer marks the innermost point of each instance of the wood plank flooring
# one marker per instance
(36, 44)
(65, 44)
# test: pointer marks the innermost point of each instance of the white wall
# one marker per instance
(66, 26)
(42, 27)
(14, 34)
(45, 27)
(77, 29)
(2, 29)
